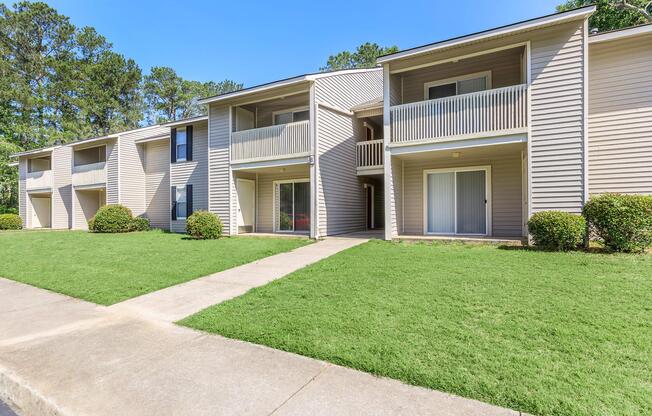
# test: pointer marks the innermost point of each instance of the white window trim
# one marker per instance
(428, 85)
(289, 110)
(274, 183)
(176, 202)
(176, 150)
(488, 194)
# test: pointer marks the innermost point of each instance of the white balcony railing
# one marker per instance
(274, 142)
(38, 180)
(91, 174)
(370, 154)
(500, 109)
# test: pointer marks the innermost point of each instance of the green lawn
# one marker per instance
(109, 268)
(543, 333)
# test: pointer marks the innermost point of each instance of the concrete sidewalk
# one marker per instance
(62, 356)
(177, 302)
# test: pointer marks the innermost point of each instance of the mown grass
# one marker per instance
(109, 268)
(544, 333)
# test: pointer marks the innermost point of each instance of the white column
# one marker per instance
(314, 166)
(387, 165)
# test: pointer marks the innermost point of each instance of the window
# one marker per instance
(465, 84)
(181, 205)
(181, 144)
(38, 164)
(291, 116)
(181, 202)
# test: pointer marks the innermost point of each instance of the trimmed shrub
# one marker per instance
(204, 225)
(140, 224)
(10, 222)
(622, 222)
(555, 230)
(8, 210)
(111, 219)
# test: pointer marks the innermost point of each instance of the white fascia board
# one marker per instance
(34, 152)
(621, 34)
(185, 121)
(557, 18)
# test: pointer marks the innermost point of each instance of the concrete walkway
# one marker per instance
(177, 302)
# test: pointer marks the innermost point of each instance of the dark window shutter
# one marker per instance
(189, 143)
(173, 146)
(188, 200)
(173, 199)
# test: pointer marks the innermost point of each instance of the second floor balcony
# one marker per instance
(39, 180)
(89, 175)
(281, 141)
(489, 112)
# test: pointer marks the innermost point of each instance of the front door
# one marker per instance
(246, 204)
(292, 206)
(369, 196)
(457, 202)
(40, 212)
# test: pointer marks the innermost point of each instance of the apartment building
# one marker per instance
(466, 137)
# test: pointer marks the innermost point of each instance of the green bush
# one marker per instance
(10, 222)
(204, 225)
(8, 210)
(111, 219)
(555, 230)
(140, 224)
(622, 222)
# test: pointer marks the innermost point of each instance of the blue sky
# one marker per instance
(255, 42)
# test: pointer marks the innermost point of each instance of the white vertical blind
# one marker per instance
(471, 207)
(441, 203)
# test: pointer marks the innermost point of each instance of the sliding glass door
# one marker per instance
(292, 213)
(457, 201)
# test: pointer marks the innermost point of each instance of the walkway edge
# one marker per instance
(25, 400)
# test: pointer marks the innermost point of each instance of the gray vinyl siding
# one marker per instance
(506, 192)
(193, 173)
(620, 116)
(505, 68)
(112, 173)
(157, 183)
(340, 192)
(22, 191)
(557, 142)
(218, 162)
(132, 168)
(62, 187)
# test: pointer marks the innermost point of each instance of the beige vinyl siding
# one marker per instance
(132, 167)
(505, 68)
(620, 116)
(506, 193)
(265, 196)
(557, 140)
(22, 191)
(218, 162)
(340, 191)
(157, 183)
(112, 173)
(62, 187)
(193, 173)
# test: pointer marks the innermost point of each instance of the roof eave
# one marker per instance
(557, 18)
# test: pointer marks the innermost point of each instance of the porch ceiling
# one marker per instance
(289, 169)
(467, 153)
